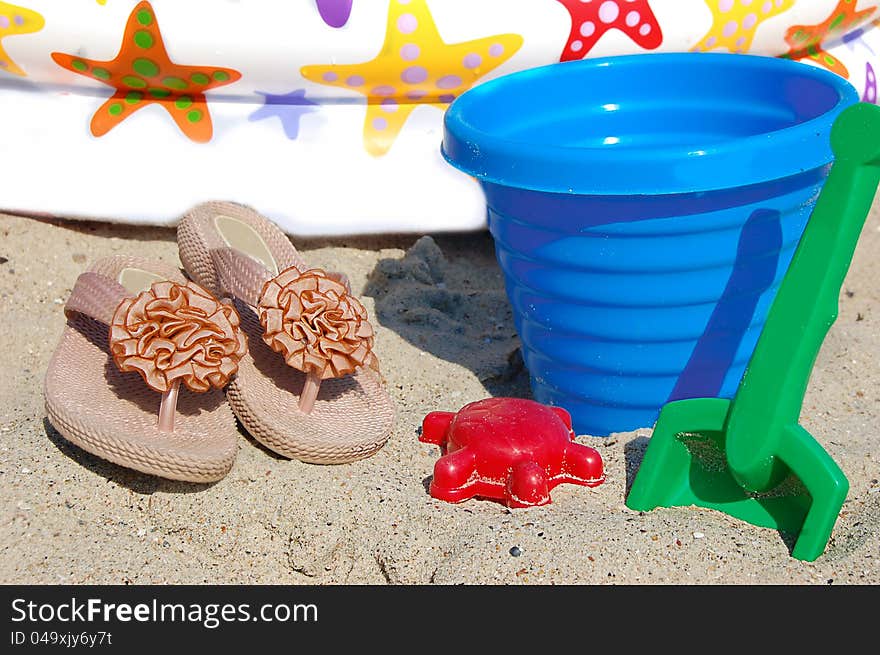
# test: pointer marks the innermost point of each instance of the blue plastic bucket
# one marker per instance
(645, 209)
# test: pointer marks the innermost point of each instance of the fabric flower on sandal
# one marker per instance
(317, 325)
(177, 333)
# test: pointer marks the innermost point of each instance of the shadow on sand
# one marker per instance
(446, 297)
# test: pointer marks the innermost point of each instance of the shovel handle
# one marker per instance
(772, 390)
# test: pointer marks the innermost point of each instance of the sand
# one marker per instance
(445, 337)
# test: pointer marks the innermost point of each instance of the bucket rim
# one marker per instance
(667, 169)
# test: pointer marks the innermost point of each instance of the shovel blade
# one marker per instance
(685, 465)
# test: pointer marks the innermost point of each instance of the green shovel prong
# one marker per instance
(766, 469)
(664, 478)
(827, 487)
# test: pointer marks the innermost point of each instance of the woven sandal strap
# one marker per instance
(240, 275)
(243, 277)
(96, 296)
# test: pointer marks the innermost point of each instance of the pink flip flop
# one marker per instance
(309, 387)
(137, 329)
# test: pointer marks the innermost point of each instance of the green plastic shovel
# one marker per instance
(749, 457)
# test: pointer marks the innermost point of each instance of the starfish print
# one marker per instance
(16, 20)
(289, 107)
(143, 74)
(806, 40)
(591, 20)
(870, 84)
(856, 38)
(335, 12)
(415, 67)
(736, 22)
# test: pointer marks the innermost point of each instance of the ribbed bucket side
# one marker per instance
(625, 303)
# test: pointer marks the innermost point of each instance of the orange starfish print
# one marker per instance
(143, 74)
(806, 40)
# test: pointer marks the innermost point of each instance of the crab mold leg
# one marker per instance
(527, 486)
(435, 426)
(583, 463)
(453, 475)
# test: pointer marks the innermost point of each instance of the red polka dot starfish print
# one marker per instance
(591, 19)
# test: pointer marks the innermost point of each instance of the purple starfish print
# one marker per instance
(855, 37)
(870, 84)
(335, 12)
(288, 107)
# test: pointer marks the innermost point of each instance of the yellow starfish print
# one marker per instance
(736, 22)
(16, 20)
(415, 67)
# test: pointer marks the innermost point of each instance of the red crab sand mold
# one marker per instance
(510, 449)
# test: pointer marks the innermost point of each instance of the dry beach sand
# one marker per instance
(445, 338)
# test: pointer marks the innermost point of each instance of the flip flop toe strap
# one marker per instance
(96, 296)
(240, 275)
